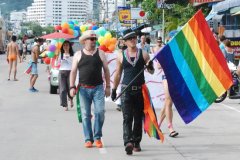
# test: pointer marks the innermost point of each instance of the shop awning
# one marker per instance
(214, 15)
(234, 10)
(225, 5)
(146, 30)
(237, 13)
(210, 16)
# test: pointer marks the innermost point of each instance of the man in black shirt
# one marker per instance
(89, 63)
(131, 61)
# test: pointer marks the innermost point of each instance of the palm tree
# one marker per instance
(135, 3)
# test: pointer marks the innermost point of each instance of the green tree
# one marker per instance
(179, 13)
(154, 14)
(34, 26)
(48, 29)
(37, 29)
(135, 3)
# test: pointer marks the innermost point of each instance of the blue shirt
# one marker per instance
(146, 47)
(222, 47)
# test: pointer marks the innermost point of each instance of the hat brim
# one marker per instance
(84, 37)
(129, 35)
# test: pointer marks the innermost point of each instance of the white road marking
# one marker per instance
(102, 150)
(230, 107)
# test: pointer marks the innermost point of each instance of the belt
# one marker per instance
(133, 88)
(85, 85)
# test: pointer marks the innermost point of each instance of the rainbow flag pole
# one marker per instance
(195, 68)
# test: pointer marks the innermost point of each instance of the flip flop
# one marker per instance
(173, 134)
(71, 105)
(8, 79)
(66, 108)
(15, 79)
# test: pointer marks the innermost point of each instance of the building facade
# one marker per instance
(54, 12)
(108, 8)
(16, 19)
(2, 35)
(95, 10)
(18, 16)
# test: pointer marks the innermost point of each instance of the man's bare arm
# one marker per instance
(105, 68)
(106, 73)
(73, 72)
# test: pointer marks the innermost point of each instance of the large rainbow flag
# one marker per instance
(195, 68)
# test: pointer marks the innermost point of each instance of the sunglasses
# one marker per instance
(131, 38)
(92, 39)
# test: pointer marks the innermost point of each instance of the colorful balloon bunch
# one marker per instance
(84, 28)
(52, 51)
(106, 41)
(70, 27)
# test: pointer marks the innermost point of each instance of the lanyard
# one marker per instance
(128, 58)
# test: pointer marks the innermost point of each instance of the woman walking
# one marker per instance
(166, 111)
(65, 60)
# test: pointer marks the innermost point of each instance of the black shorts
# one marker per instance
(20, 52)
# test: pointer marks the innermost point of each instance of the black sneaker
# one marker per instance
(234, 96)
(137, 147)
(35, 90)
(129, 148)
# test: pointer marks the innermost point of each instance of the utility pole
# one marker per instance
(116, 10)
(163, 21)
(161, 4)
(107, 8)
(106, 14)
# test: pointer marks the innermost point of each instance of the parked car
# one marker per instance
(53, 76)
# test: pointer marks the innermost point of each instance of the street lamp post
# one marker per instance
(117, 20)
(161, 4)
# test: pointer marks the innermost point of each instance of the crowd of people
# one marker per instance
(92, 87)
(89, 63)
